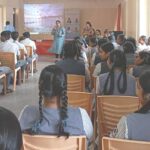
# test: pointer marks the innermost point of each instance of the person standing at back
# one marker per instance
(9, 27)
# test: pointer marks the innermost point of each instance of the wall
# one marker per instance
(101, 15)
(7, 10)
(130, 17)
(101, 18)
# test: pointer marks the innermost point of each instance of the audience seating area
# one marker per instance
(81, 99)
(3, 77)
(75, 83)
(104, 111)
(43, 142)
(120, 144)
(8, 59)
(110, 109)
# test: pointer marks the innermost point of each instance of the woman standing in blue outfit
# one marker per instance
(54, 116)
(59, 36)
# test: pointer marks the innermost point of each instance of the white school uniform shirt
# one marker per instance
(29, 42)
(148, 48)
(20, 46)
(8, 46)
(141, 47)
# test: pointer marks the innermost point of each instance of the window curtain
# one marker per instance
(118, 19)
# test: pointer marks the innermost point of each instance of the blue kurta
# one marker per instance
(59, 37)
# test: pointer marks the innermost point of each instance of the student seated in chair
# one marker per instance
(72, 62)
(116, 81)
(28, 42)
(7, 71)
(8, 46)
(10, 131)
(54, 116)
(135, 126)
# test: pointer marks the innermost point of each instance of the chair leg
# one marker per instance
(19, 76)
(15, 79)
(3, 77)
(32, 68)
(23, 76)
(27, 71)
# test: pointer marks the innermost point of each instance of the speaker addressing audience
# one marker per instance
(59, 36)
(10, 131)
(54, 116)
(135, 126)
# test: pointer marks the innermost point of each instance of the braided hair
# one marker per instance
(118, 60)
(52, 82)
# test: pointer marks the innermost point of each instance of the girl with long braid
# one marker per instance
(54, 116)
(135, 126)
(116, 81)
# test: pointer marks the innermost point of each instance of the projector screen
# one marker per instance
(40, 18)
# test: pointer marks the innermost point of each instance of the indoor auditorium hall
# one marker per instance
(74, 75)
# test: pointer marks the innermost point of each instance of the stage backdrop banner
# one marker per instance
(72, 23)
(41, 18)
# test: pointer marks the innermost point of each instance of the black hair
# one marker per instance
(93, 40)
(7, 22)
(89, 23)
(101, 41)
(121, 38)
(81, 41)
(26, 34)
(133, 40)
(143, 37)
(148, 41)
(10, 131)
(144, 81)
(53, 82)
(6, 34)
(58, 21)
(98, 31)
(107, 47)
(145, 56)
(15, 35)
(128, 47)
(72, 49)
(118, 60)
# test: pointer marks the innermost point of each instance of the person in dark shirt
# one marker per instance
(70, 64)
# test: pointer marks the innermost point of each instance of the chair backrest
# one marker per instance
(75, 83)
(29, 51)
(46, 142)
(81, 99)
(111, 108)
(8, 59)
(22, 54)
(120, 144)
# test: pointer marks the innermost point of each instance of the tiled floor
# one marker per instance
(26, 93)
